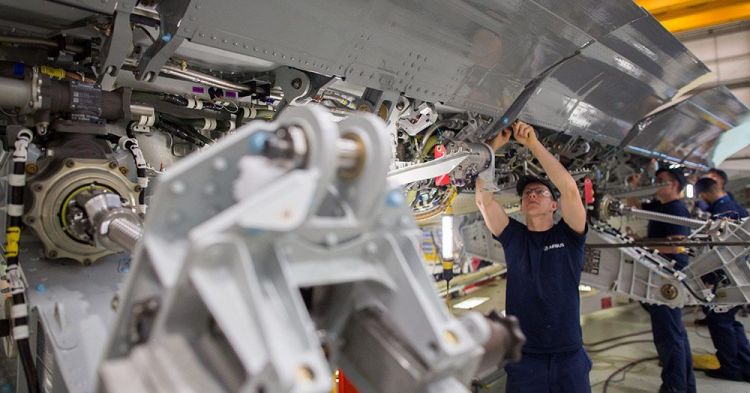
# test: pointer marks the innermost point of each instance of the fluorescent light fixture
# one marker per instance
(447, 240)
(470, 303)
(584, 288)
(690, 191)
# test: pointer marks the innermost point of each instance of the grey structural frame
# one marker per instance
(213, 302)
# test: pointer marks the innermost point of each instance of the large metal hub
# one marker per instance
(55, 215)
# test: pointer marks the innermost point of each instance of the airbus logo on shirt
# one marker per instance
(553, 246)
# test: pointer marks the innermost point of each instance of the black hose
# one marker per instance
(19, 311)
(175, 123)
(175, 130)
(175, 99)
(611, 339)
(624, 369)
(597, 350)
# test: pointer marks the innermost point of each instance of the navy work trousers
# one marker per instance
(732, 347)
(564, 372)
(673, 347)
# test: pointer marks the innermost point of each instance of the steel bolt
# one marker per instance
(124, 170)
(70, 163)
(297, 83)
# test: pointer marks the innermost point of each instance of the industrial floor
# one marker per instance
(613, 323)
(644, 377)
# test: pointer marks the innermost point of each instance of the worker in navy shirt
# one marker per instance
(720, 177)
(544, 261)
(727, 334)
(670, 336)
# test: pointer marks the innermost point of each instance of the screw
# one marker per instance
(297, 83)
(31, 169)
(70, 163)
(138, 188)
(112, 165)
(37, 187)
(124, 170)
(52, 254)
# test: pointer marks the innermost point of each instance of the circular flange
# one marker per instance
(51, 193)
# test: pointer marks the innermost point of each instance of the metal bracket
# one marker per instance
(174, 21)
(117, 48)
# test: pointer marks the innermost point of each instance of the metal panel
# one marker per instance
(612, 84)
(689, 130)
(473, 55)
(36, 13)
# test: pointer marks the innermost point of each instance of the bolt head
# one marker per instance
(31, 169)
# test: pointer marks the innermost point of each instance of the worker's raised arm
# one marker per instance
(493, 213)
(571, 205)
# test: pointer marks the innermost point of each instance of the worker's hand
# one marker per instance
(501, 139)
(524, 134)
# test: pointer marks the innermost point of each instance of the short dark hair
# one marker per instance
(526, 180)
(722, 174)
(706, 184)
(676, 175)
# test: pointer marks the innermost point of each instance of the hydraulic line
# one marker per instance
(182, 133)
(186, 129)
(19, 310)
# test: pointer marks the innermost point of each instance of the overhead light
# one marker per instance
(690, 191)
(470, 303)
(447, 237)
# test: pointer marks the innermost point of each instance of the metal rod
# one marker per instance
(666, 244)
(200, 77)
(16, 93)
(349, 153)
(661, 217)
(124, 233)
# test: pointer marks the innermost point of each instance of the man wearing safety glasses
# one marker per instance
(544, 261)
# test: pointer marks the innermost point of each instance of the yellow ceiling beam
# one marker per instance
(661, 6)
(684, 15)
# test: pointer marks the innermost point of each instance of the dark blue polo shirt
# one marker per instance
(726, 207)
(544, 270)
(660, 230)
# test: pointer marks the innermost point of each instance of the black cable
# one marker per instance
(175, 123)
(175, 99)
(609, 340)
(598, 350)
(624, 369)
(174, 130)
(15, 204)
